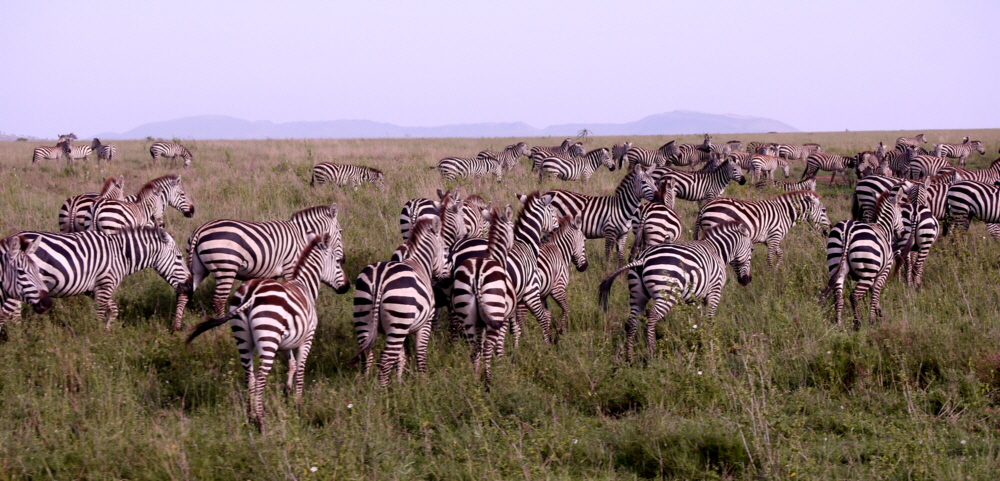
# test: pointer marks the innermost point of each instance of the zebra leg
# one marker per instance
(534, 303)
(292, 366)
(390, 356)
(631, 326)
(521, 313)
(773, 252)
(300, 369)
(423, 339)
(501, 337)
(223, 285)
(833, 177)
(182, 300)
(876, 307)
(559, 294)
(106, 307)
(918, 268)
(857, 296)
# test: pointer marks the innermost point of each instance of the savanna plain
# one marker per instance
(769, 388)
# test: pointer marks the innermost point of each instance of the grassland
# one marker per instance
(767, 389)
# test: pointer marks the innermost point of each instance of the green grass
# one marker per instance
(767, 388)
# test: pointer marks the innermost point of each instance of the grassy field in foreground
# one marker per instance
(767, 389)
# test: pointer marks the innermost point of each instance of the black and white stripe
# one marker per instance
(564, 246)
(828, 162)
(656, 222)
(106, 152)
(567, 151)
(618, 153)
(451, 168)
(765, 148)
(510, 155)
(143, 209)
(701, 186)
(73, 212)
(798, 152)
(55, 152)
(959, 151)
(927, 166)
(74, 152)
(765, 165)
(580, 168)
(342, 174)
(988, 175)
(170, 150)
(804, 184)
(921, 231)
(535, 220)
(650, 158)
(868, 190)
(20, 278)
(968, 199)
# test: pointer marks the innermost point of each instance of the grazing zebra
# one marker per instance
(20, 278)
(564, 246)
(341, 174)
(105, 152)
(74, 152)
(967, 199)
(51, 153)
(609, 217)
(765, 165)
(578, 168)
(170, 150)
(689, 271)
(454, 167)
(482, 296)
(868, 190)
(903, 143)
(508, 158)
(921, 232)
(269, 316)
(926, 166)
(397, 298)
(798, 152)
(143, 209)
(73, 212)
(650, 158)
(768, 221)
(538, 154)
(656, 220)
(830, 163)
(91, 262)
(701, 186)
(764, 148)
(865, 252)
(988, 175)
(618, 153)
(959, 151)
(535, 220)
(804, 184)
(234, 249)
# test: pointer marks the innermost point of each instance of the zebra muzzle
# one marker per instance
(582, 267)
(744, 280)
(189, 213)
(44, 303)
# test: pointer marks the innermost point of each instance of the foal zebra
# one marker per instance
(454, 167)
(105, 152)
(656, 222)
(143, 209)
(609, 217)
(508, 158)
(269, 316)
(20, 278)
(577, 168)
(342, 174)
(903, 143)
(701, 186)
(51, 153)
(689, 271)
(91, 262)
(171, 151)
(766, 165)
(830, 163)
(73, 212)
(959, 151)
(397, 298)
(768, 221)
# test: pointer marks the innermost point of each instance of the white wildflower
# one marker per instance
(349, 405)
(313, 469)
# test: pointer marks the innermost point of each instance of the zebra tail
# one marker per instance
(840, 271)
(605, 287)
(214, 322)
(372, 335)
(855, 207)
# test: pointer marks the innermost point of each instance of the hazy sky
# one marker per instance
(92, 67)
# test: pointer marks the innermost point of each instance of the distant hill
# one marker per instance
(5, 136)
(205, 127)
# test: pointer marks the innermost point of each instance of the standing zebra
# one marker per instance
(926, 166)
(565, 246)
(902, 143)
(865, 252)
(618, 153)
(341, 174)
(73, 212)
(143, 209)
(988, 175)
(233, 249)
(105, 152)
(967, 199)
(172, 151)
(742, 159)
(798, 152)
(650, 158)
(78, 152)
(609, 217)
(20, 278)
(454, 167)
(692, 156)
(535, 220)
(701, 186)
(397, 298)
(868, 190)
(830, 163)
(768, 221)
(51, 153)
(656, 222)
(804, 184)
(508, 158)
(538, 154)
(689, 271)
(933, 193)
(91, 262)
(578, 168)
(765, 165)
(899, 160)
(765, 148)
(269, 316)
(921, 231)
(959, 151)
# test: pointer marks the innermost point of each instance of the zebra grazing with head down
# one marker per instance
(73, 212)
(804, 184)
(451, 168)
(91, 262)
(903, 143)
(20, 278)
(650, 158)
(508, 158)
(269, 316)
(51, 153)
(864, 252)
(143, 209)
(397, 298)
(342, 174)
(608, 217)
(656, 222)
(798, 152)
(234, 249)
(921, 231)
(765, 165)
(868, 190)
(967, 199)
(768, 220)
(105, 152)
(688, 271)
(618, 153)
(581, 168)
(959, 151)
(829, 162)
(701, 186)
(564, 246)
(170, 150)
(692, 156)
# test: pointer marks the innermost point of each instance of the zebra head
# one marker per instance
(880, 151)
(330, 261)
(577, 242)
(425, 240)
(175, 196)
(733, 172)
(576, 150)
(817, 213)
(453, 227)
(537, 217)
(501, 234)
(603, 157)
(166, 258)
(186, 155)
(643, 183)
(978, 147)
(731, 240)
(666, 194)
(20, 276)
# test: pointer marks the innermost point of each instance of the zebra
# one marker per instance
(804, 184)
(508, 158)
(899, 160)
(578, 168)
(454, 167)
(656, 222)
(171, 150)
(742, 159)
(933, 193)
(51, 153)
(764, 148)
(91, 262)
(234, 249)
(692, 156)
(74, 152)
(564, 246)
(988, 175)
(926, 166)
(105, 152)
(269, 316)
(864, 251)
(618, 153)
(534, 221)
(144, 208)
(902, 143)
(829, 162)
(650, 158)
(341, 174)
(869, 189)
(798, 152)
(868, 163)
(609, 217)
(959, 151)
(396, 298)
(765, 165)
(538, 154)
(921, 232)
(768, 221)
(20, 278)
(967, 199)
(688, 271)
(701, 186)
(72, 213)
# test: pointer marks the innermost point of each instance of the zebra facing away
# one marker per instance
(269, 316)
(656, 222)
(921, 232)
(765, 165)
(701, 186)
(397, 298)
(143, 209)
(51, 153)
(105, 152)
(688, 271)
(508, 158)
(20, 278)
(927, 166)
(342, 174)
(72, 213)
(768, 221)
(830, 163)
(959, 151)
(233, 249)
(91, 262)
(451, 168)
(581, 168)
(170, 150)
(868, 190)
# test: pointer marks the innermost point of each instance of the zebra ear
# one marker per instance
(508, 212)
(486, 215)
(14, 244)
(33, 245)
(547, 199)
(441, 194)
(177, 180)
(521, 198)
(164, 236)
(333, 210)
(121, 181)
(310, 236)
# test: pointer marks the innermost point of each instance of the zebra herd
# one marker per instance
(106, 152)
(490, 264)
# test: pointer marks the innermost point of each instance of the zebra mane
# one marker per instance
(108, 184)
(494, 234)
(306, 251)
(152, 187)
(373, 169)
(797, 193)
(477, 201)
(564, 225)
(883, 199)
(528, 199)
(424, 226)
(312, 211)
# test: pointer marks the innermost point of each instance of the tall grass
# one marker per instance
(767, 388)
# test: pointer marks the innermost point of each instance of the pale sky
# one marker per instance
(91, 67)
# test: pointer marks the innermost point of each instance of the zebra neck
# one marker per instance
(626, 192)
(307, 278)
(421, 267)
(721, 246)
